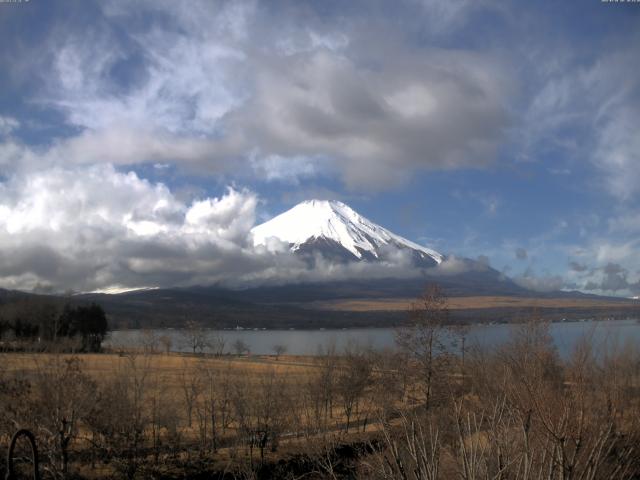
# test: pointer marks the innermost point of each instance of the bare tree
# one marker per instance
(217, 343)
(389, 383)
(279, 349)
(121, 417)
(353, 379)
(271, 411)
(13, 387)
(163, 416)
(423, 338)
(327, 379)
(412, 453)
(63, 396)
(240, 347)
(195, 337)
(460, 333)
(215, 409)
(191, 387)
(150, 341)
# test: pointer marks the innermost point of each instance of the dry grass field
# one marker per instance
(179, 395)
(169, 366)
(354, 414)
(166, 373)
(466, 303)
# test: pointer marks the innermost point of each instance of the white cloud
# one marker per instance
(627, 222)
(453, 265)
(8, 125)
(276, 168)
(183, 86)
(230, 217)
(444, 16)
(95, 227)
(607, 267)
(606, 251)
(589, 112)
(212, 85)
(118, 145)
(544, 283)
(618, 150)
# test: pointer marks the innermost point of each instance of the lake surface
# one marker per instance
(609, 333)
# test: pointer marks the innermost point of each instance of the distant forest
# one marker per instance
(49, 320)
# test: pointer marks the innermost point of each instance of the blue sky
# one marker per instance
(140, 141)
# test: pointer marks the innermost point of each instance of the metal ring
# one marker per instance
(34, 454)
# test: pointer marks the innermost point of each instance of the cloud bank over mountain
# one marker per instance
(98, 229)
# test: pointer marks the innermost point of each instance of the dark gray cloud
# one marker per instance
(234, 87)
(453, 265)
(613, 278)
(578, 267)
(521, 254)
(436, 110)
(614, 269)
(540, 283)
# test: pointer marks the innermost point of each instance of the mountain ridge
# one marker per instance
(335, 231)
(338, 232)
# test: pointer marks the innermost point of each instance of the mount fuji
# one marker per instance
(337, 232)
(334, 231)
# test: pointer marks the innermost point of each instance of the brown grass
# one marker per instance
(465, 303)
(166, 372)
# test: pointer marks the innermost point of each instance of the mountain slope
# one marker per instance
(338, 232)
(306, 305)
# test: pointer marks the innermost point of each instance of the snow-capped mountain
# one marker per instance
(337, 231)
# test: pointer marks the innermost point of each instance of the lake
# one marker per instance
(307, 342)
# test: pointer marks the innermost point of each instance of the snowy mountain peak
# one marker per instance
(315, 223)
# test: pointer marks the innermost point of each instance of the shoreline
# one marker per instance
(618, 318)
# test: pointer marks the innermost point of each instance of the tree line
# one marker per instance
(27, 322)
